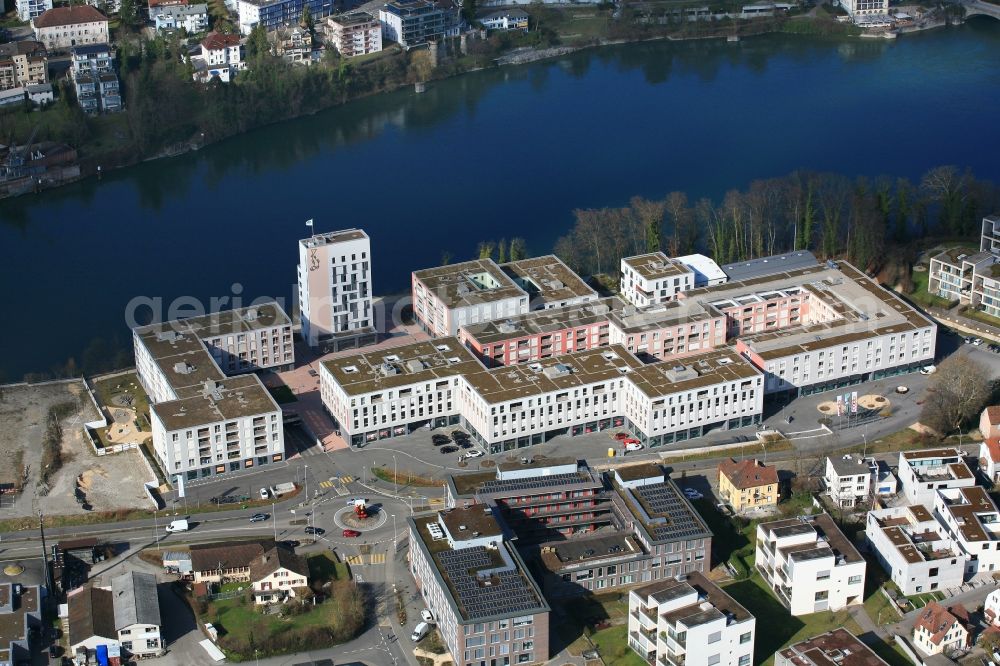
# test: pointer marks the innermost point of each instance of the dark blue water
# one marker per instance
(496, 153)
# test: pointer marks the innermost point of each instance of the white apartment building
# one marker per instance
(29, 9)
(690, 622)
(973, 521)
(487, 607)
(335, 289)
(848, 480)
(651, 279)
(205, 423)
(673, 402)
(915, 549)
(972, 278)
(456, 295)
(549, 282)
(857, 8)
(851, 330)
(923, 473)
(218, 49)
(809, 564)
(354, 34)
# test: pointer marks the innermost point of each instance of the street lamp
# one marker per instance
(156, 530)
(394, 532)
(395, 475)
(274, 521)
(305, 476)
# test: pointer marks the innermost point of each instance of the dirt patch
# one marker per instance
(104, 483)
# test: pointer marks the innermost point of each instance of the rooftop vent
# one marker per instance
(388, 369)
(166, 336)
(442, 348)
(414, 365)
(251, 314)
(557, 370)
(183, 368)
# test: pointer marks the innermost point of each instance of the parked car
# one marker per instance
(289, 543)
(448, 449)
(420, 631)
(621, 436)
(967, 339)
(426, 615)
(318, 531)
(691, 493)
(440, 440)
(475, 453)
(313, 373)
(928, 370)
(264, 493)
(633, 445)
(977, 342)
(258, 517)
(350, 534)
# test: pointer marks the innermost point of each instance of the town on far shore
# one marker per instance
(776, 460)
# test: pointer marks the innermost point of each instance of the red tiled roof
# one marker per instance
(216, 40)
(993, 446)
(746, 474)
(993, 414)
(938, 620)
(166, 3)
(69, 16)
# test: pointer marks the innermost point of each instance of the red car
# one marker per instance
(620, 436)
(352, 533)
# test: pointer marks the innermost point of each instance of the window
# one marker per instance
(854, 580)
(745, 660)
(714, 659)
(745, 638)
(715, 637)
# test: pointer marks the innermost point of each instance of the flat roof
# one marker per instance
(405, 365)
(558, 555)
(481, 583)
(655, 266)
(834, 648)
(703, 265)
(13, 626)
(820, 524)
(557, 373)
(714, 367)
(470, 282)
(778, 263)
(969, 511)
(463, 521)
(222, 400)
(540, 322)
(352, 18)
(548, 279)
(706, 590)
(664, 512)
(630, 319)
(848, 466)
(640, 471)
(344, 235)
(240, 320)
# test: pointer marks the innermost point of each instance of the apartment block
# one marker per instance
(29, 9)
(689, 622)
(274, 13)
(839, 647)
(809, 564)
(23, 64)
(205, 423)
(651, 279)
(549, 282)
(414, 22)
(856, 8)
(848, 480)
(668, 331)
(95, 80)
(335, 290)
(450, 297)
(971, 278)
(192, 18)
(747, 485)
(354, 34)
(972, 520)
(923, 473)
(853, 331)
(487, 607)
(541, 334)
(915, 549)
(66, 27)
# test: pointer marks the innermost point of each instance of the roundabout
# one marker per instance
(347, 518)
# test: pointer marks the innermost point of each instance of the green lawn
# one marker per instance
(729, 543)
(282, 394)
(324, 567)
(239, 616)
(920, 294)
(980, 316)
(776, 627)
(107, 389)
(612, 644)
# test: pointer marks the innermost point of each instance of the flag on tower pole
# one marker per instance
(309, 222)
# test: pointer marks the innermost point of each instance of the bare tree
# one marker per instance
(958, 392)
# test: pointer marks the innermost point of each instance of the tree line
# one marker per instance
(869, 222)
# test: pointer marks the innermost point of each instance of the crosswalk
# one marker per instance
(363, 560)
(334, 480)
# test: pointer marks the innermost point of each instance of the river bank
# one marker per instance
(118, 158)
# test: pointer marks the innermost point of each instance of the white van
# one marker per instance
(178, 526)
(420, 631)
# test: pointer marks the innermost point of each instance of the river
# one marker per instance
(502, 152)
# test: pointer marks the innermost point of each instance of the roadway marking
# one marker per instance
(378, 558)
(435, 501)
(326, 484)
(355, 560)
(347, 478)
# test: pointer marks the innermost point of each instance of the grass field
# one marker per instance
(612, 644)
(920, 294)
(325, 566)
(729, 543)
(776, 628)
(282, 394)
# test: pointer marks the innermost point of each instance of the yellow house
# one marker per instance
(748, 484)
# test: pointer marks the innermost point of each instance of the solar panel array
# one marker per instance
(530, 483)
(664, 500)
(510, 592)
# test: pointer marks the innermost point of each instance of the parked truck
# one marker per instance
(282, 489)
(178, 526)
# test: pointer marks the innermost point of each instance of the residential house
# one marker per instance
(838, 647)
(973, 521)
(66, 27)
(40, 93)
(989, 458)
(276, 575)
(691, 622)
(923, 473)
(218, 49)
(126, 615)
(354, 34)
(915, 549)
(191, 18)
(809, 564)
(508, 19)
(227, 562)
(971, 278)
(989, 421)
(23, 64)
(991, 608)
(940, 630)
(95, 80)
(20, 621)
(848, 480)
(292, 44)
(11, 97)
(414, 22)
(29, 9)
(748, 484)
